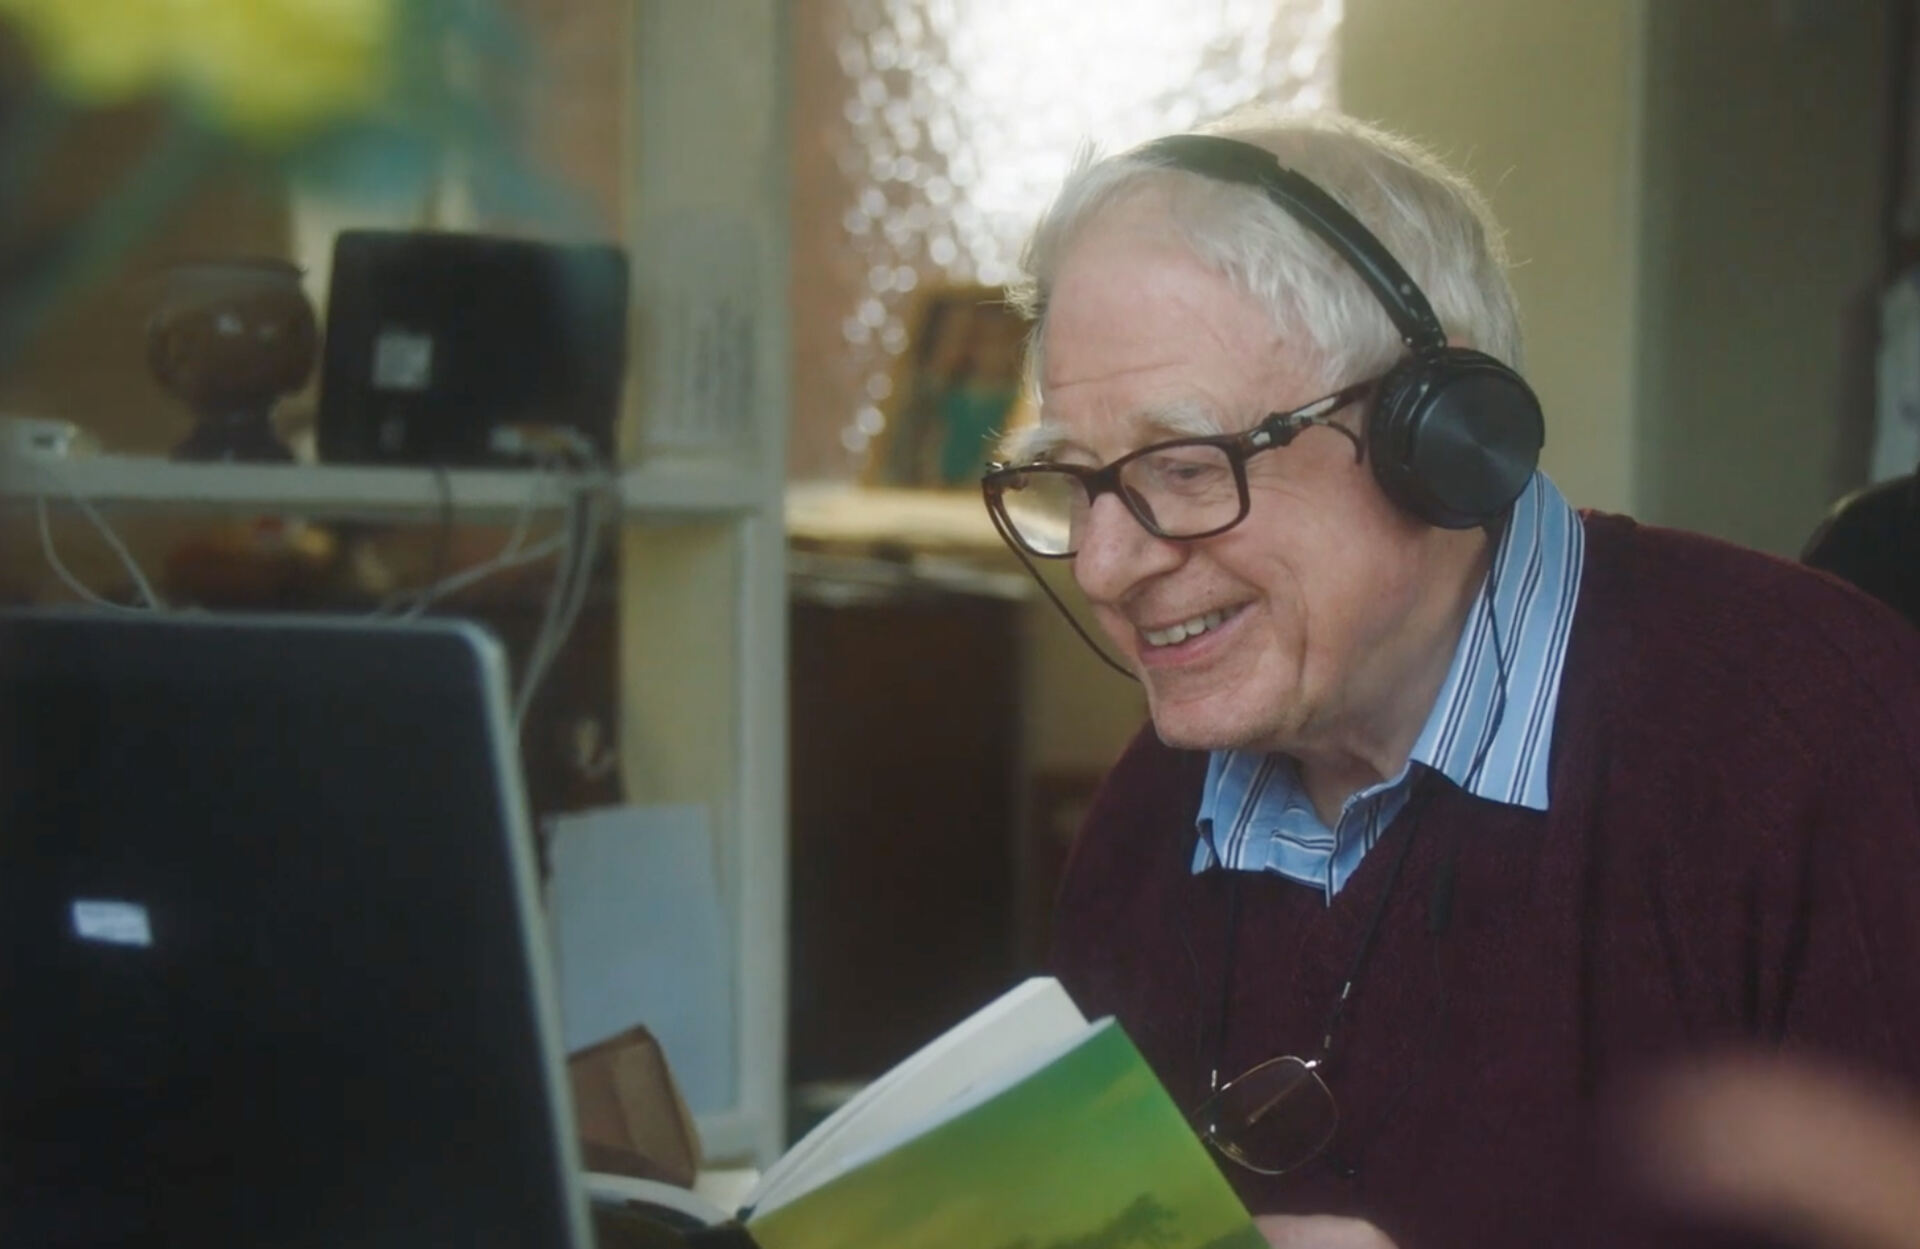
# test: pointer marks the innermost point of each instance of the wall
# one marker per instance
(826, 279)
(86, 362)
(1537, 102)
(1692, 195)
(1764, 135)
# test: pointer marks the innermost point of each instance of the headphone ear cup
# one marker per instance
(1454, 437)
(1388, 429)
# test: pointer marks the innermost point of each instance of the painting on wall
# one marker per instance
(956, 390)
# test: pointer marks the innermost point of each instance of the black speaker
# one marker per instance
(437, 341)
(1454, 435)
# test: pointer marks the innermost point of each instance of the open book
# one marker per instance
(1023, 1125)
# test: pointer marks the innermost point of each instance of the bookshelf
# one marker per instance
(688, 491)
(697, 131)
(703, 596)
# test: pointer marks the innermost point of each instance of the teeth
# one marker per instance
(1185, 629)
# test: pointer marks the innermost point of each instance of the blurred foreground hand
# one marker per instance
(1320, 1231)
(1790, 1147)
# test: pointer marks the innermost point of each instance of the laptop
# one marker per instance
(272, 971)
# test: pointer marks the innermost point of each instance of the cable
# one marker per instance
(559, 594)
(500, 563)
(1445, 869)
(589, 505)
(443, 540)
(1065, 614)
(61, 570)
(512, 554)
(148, 594)
(590, 509)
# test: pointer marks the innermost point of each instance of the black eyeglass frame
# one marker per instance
(1278, 429)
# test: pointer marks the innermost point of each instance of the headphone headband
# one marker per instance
(1454, 434)
(1235, 161)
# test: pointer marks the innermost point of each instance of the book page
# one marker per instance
(1029, 1065)
(1086, 1150)
(605, 1188)
(1033, 1016)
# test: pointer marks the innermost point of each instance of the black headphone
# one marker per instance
(1455, 434)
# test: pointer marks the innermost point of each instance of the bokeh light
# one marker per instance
(963, 115)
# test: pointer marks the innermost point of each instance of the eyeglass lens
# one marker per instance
(1177, 490)
(1275, 1118)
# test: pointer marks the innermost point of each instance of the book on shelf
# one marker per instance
(1023, 1127)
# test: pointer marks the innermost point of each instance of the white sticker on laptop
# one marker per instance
(111, 923)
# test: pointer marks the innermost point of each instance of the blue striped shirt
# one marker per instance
(1255, 815)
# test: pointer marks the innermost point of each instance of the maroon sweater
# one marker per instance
(1732, 854)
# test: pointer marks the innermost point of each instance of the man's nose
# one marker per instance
(1116, 552)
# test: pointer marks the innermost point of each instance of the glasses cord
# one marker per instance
(1438, 904)
(1013, 544)
(1359, 956)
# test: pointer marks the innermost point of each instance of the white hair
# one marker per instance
(1429, 217)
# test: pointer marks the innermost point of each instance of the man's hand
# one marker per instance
(1787, 1144)
(1320, 1231)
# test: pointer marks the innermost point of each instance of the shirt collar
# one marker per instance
(1491, 728)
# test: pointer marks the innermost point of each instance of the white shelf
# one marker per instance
(948, 521)
(343, 491)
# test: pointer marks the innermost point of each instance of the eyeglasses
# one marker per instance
(1279, 1115)
(1184, 489)
(1272, 1119)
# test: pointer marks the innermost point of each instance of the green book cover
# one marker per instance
(1088, 1152)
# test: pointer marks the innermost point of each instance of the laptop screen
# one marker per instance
(267, 963)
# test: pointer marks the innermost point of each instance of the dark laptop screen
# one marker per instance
(262, 966)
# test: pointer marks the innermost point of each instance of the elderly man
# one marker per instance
(1460, 812)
